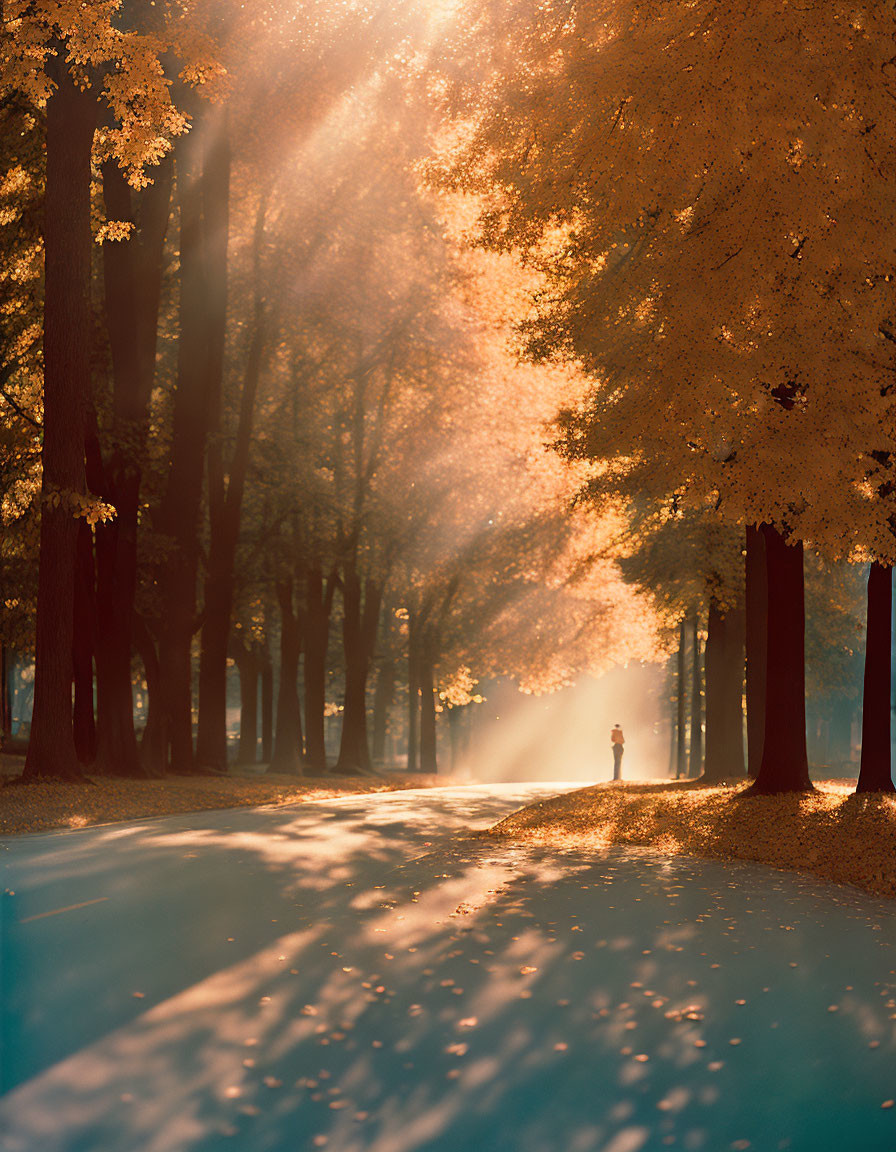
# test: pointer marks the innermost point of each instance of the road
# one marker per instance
(361, 975)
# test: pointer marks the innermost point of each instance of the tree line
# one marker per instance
(705, 190)
(260, 407)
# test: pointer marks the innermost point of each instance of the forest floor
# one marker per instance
(831, 832)
(54, 806)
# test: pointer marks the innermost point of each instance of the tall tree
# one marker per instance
(776, 213)
(71, 122)
(875, 772)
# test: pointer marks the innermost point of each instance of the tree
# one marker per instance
(71, 119)
(68, 60)
(604, 160)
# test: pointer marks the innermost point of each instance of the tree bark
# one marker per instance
(875, 772)
(287, 755)
(724, 695)
(71, 119)
(681, 759)
(785, 765)
(695, 752)
(756, 645)
(361, 616)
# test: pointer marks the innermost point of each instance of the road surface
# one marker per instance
(360, 975)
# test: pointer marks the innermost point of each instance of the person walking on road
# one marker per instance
(617, 740)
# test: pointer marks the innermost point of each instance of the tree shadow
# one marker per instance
(497, 997)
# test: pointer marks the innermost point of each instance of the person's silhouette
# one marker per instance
(617, 740)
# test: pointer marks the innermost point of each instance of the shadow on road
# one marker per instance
(422, 991)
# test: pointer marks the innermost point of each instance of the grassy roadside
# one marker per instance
(831, 833)
(44, 807)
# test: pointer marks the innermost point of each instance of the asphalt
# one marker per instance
(363, 974)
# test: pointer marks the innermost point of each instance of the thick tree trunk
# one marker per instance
(267, 706)
(428, 758)
(248, 664)
(71, 118)
(695, 756)
(785, 765)
(724, 695)
(287, 755)
(383, 699)
(360, 620)
(179, 514)
(875, 772)
(756, 645)
(223, 507)
(681, 758)
(413, 694)
(83, 646)
(132, 274)
(225, 498)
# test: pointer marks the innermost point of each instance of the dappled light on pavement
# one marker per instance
(420, 989)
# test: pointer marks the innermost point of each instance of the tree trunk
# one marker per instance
(223, 512)
(875, 773)
(360, 621)
(179, 514)
(70, 120)
(317, 633)
(724, 695)
(681, 759)
(248, 664)
(785, 765)
(83, 646)
(413, 695)
(695, 756)
(428, 760)
(287, 755)
(756, 645)
(132, 275)
(225, 500)
(383, 699)
(267, 706)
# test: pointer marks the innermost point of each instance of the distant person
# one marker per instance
(617, 740)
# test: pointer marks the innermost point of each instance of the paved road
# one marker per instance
(360, 976)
